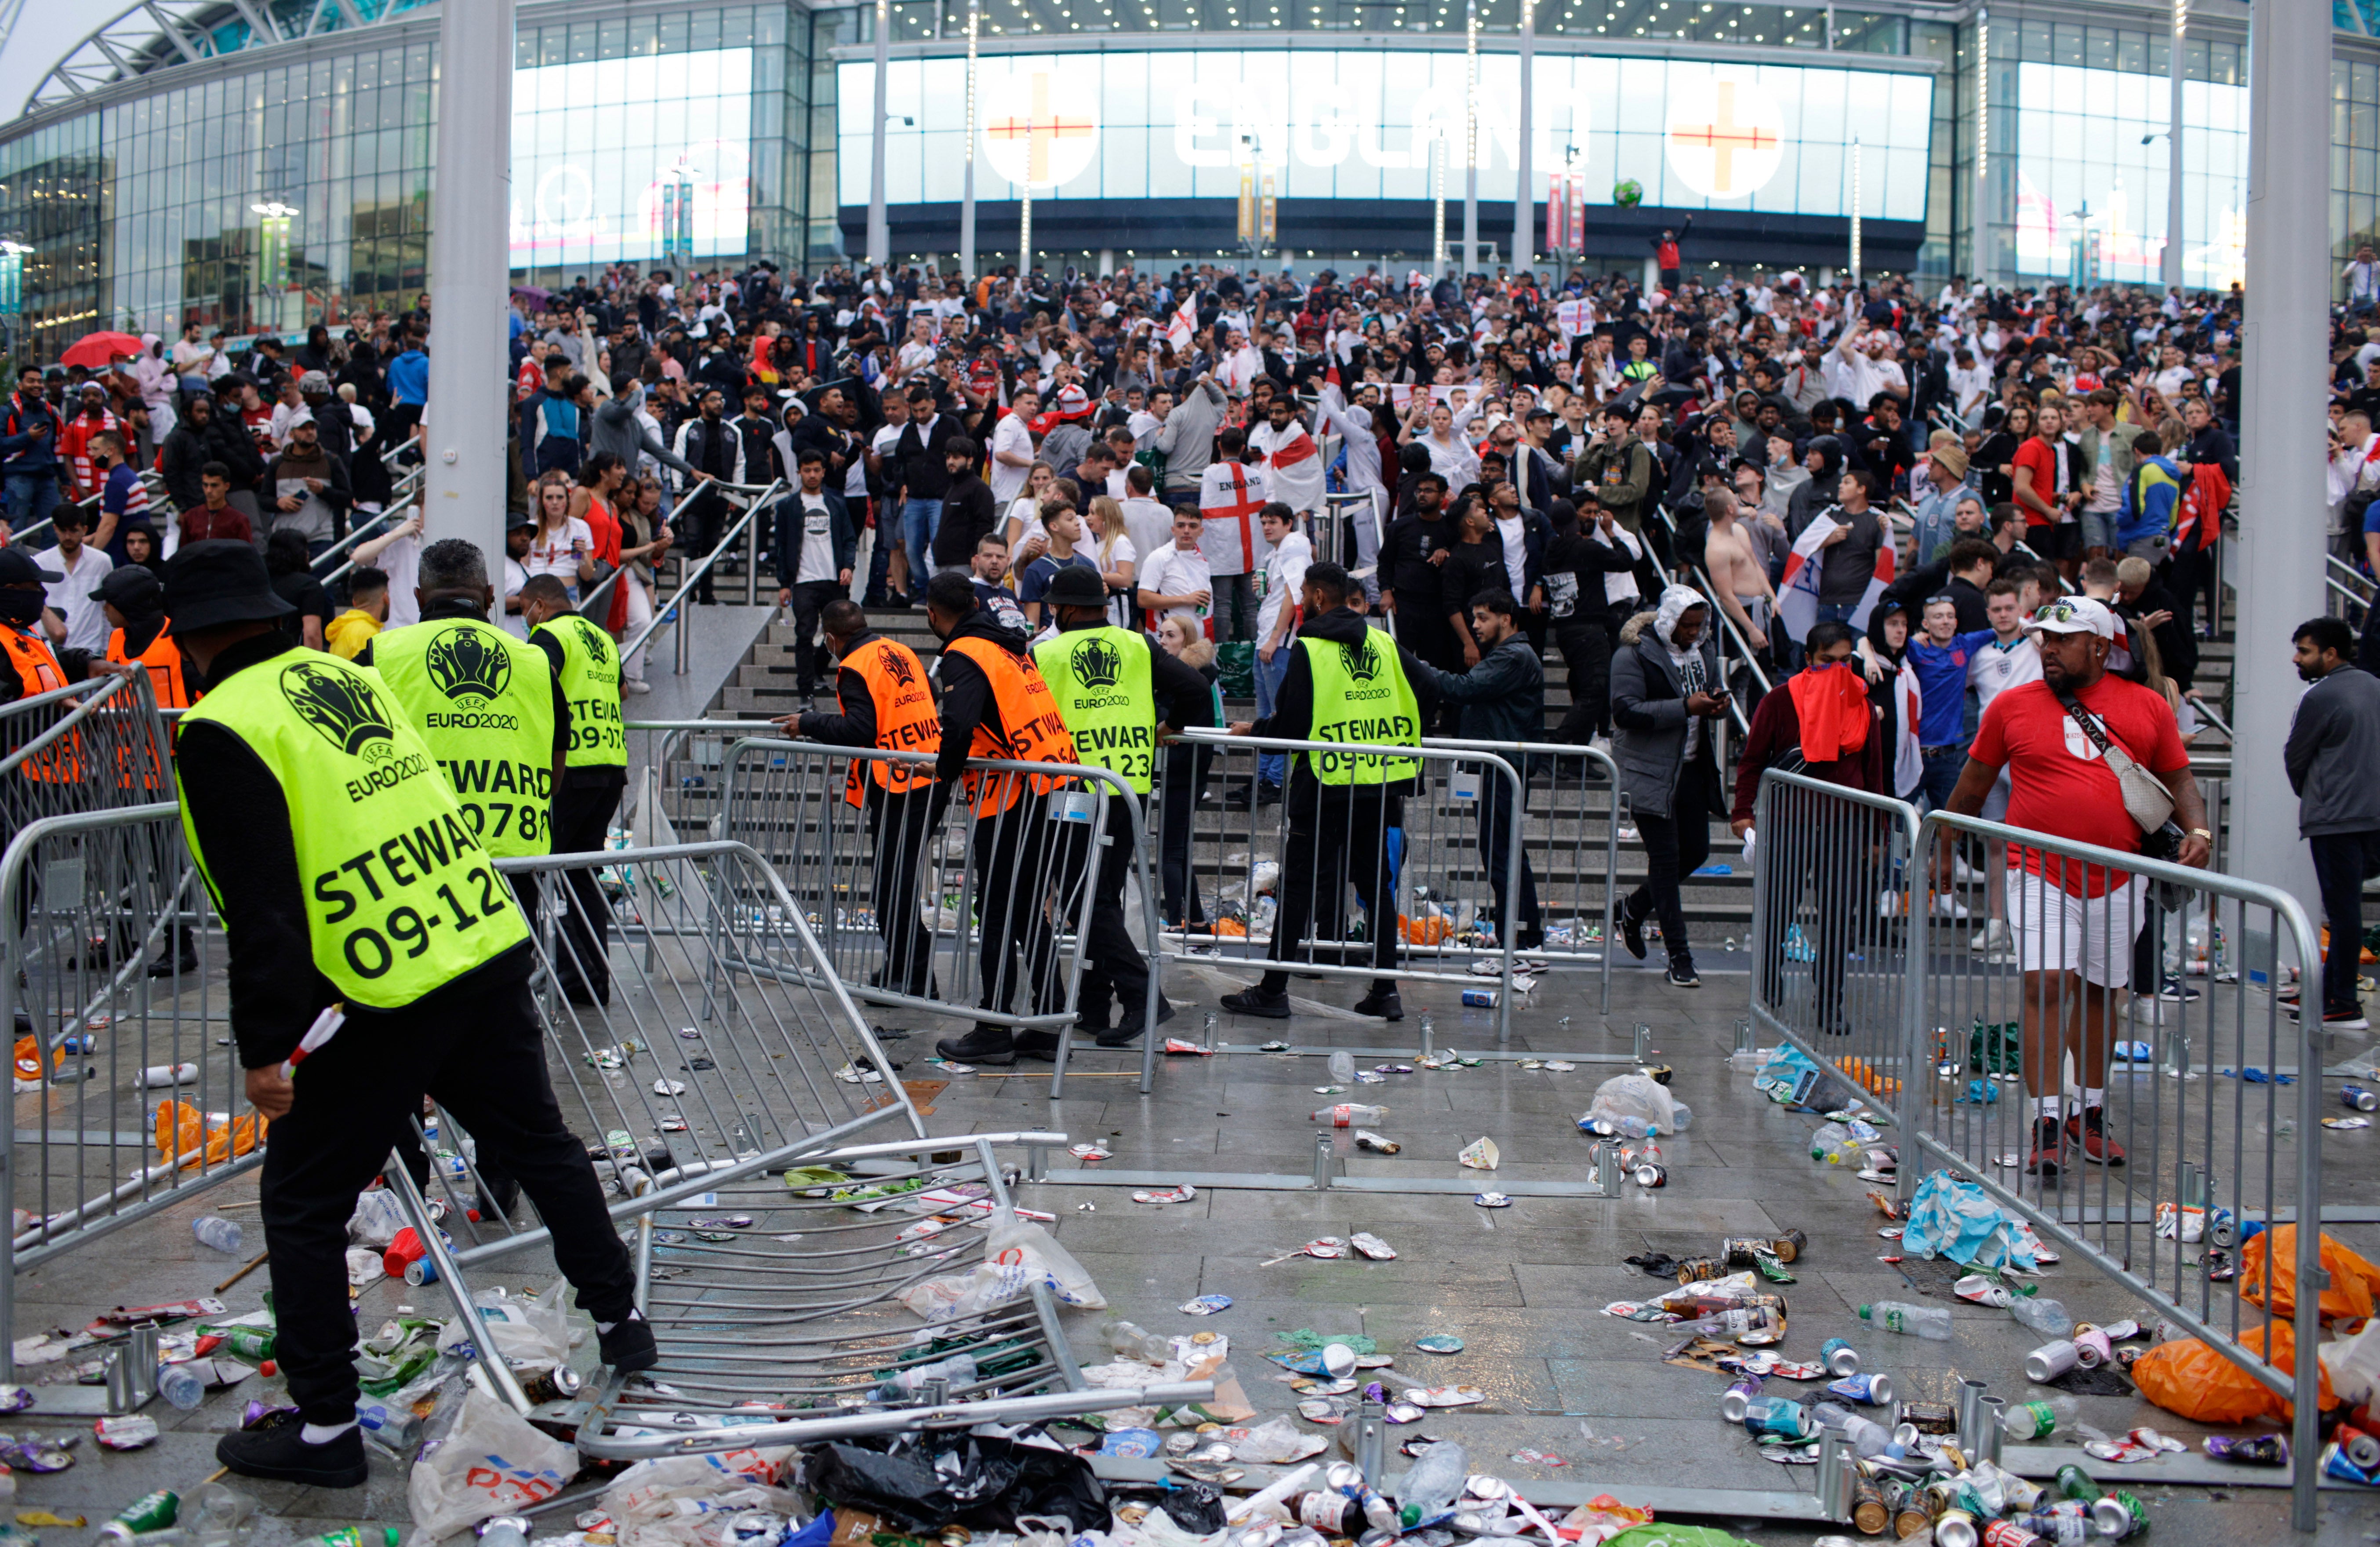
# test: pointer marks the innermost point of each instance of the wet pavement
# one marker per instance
(1523, 1286)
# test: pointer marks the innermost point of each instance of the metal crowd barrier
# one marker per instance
(1831, 932)
(2189, 1071)
(129, 1099)
(91, 745)
(730, 1103)
(1027, 874)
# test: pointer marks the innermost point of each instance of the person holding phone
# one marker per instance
(1666, 689)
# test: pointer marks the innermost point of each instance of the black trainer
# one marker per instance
(1257, 1001)
(1682, 973)
(1135, 1022)
(1383, 1001)
(1631, 933)
(629, 1345)
(1042, 1045)
(984, 1044)
(276, 1448)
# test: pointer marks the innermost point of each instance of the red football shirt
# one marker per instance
(2058, 782)
(2036, 454)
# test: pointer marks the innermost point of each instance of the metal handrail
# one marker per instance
(693, 577)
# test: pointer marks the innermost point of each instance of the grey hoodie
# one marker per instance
(2333, 752)
(1186, 440)
(618, 431)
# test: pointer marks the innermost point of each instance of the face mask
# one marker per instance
(22, 608)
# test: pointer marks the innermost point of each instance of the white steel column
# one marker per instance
(1471, 137)
(880, 227)
(2276, 561)
(966, 194)
(470, 274)
(2173, 73)
(1525, 204)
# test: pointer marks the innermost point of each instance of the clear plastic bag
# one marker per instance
(492, 1463)
(1635, 1105)
(378, 1217)
(692, 1501)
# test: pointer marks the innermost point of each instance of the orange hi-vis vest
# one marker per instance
(163, 659)
(906, 721)
(1033, 730)
(40, 673)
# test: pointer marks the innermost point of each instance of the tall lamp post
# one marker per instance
(1525, 203)
(967, 197)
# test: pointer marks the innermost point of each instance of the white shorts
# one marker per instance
(2057, 932)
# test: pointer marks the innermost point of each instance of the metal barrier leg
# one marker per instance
(417, 1210)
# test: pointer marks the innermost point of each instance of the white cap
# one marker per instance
(2072, 615)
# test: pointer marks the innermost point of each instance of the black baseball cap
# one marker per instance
(130, 590)
(17, 568)
(218, 581)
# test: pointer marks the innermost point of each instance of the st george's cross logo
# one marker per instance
(1726, 133)
(1038, 128)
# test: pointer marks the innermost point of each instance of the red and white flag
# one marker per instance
(1179, 332)
(1908, 759)
(1797, 595)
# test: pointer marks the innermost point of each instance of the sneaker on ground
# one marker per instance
(1947, 907)
(1682, 973)
(2173, 990)
(2048, 1146)
(984, 1044)
(276, 1449)
(2090, 1132)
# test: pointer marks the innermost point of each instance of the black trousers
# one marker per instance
(482, 1058)
(1496, 802)
(2188, 572)
(582, 955)
(1675, 847)
(2342, 862)
(810, 600)
(1013, 855)
(1183, 775)
(1586, 649)
(1112, 966)
(1342, 841)
(697, 524)
(904, 826)
(1819, 865)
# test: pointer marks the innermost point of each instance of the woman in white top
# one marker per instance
(1023, 517)
(562, 545)
(1114, 552)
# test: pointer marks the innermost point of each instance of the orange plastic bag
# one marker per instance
(2354, 1282)
(2189, 1377)
(1429, 929)
(185, 1137)
(29, 1057)
(1230, 928)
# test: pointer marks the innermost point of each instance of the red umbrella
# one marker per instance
(96, 349)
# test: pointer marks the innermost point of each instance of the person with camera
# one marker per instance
(2091, 758)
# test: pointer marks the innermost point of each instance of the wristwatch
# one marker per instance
(2202, 833)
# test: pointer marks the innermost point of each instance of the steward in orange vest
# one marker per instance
(888, 704)
(996, 705)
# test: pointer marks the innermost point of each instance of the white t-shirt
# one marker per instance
(1150, 523)
(1010, 436)
(1995, 668)
(1171, 572)
(549, 552)
(1284, 578)
(1120, 610)
(1516, 555)
(514, 578)
(86, 620)
(818, 542)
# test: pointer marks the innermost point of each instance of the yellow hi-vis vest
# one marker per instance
(401, 897)
(1361, 695)
(590, 681)
(1100, 678)
(484, 702)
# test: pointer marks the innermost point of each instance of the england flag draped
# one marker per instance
(1797, 596)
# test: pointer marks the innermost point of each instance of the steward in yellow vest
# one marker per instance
(1109, 683)
(1347, 683)
(346, 874)
(586, 662)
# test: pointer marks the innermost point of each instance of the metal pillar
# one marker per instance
(966, 194)
(880, 227)
(470, 274)
(1979, 265)
(2171, 264)
(1471, 137)
(1855, 213)
(1524, 250)
(1438, 197)
(2278, 563)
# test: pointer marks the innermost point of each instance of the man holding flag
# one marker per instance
(1292, 462)
(1840, 565)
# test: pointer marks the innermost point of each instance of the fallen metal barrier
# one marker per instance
(903, 888)
(2197, 1142)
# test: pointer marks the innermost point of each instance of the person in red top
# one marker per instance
(2074, 922)
(92, 417)
(2046, 490)
(217, 517)
(1666, 256)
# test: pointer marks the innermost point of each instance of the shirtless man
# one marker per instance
(1736, 570)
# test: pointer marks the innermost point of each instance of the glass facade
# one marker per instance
(270, 197)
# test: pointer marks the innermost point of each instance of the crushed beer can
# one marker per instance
(1874, 1391)
(2253, 1450)
(126, 1431)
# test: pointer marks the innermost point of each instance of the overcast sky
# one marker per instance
(41, 37)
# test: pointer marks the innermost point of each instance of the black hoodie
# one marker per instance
(967, 699)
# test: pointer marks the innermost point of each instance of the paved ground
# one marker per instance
(1522, 1286)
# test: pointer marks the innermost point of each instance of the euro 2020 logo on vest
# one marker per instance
(343, 706)
(1357, 660)
(597, 642)
(896, 666)
(1097, 664)
(466, 665)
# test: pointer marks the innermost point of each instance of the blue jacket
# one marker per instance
(23, 450)
(2150, 497)
(408, 377)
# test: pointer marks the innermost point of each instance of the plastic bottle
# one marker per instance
(505, 1531)
(1431, 1484)
(216, 1231)
(179, 1386)
(1135, 1343)
(1866, 1437)
(2044, 1315)
(1342, 1069)
(2031, 1420)
(1833, 1144)
(1912, 1320)
(959, 1370)
(1350, 1114)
